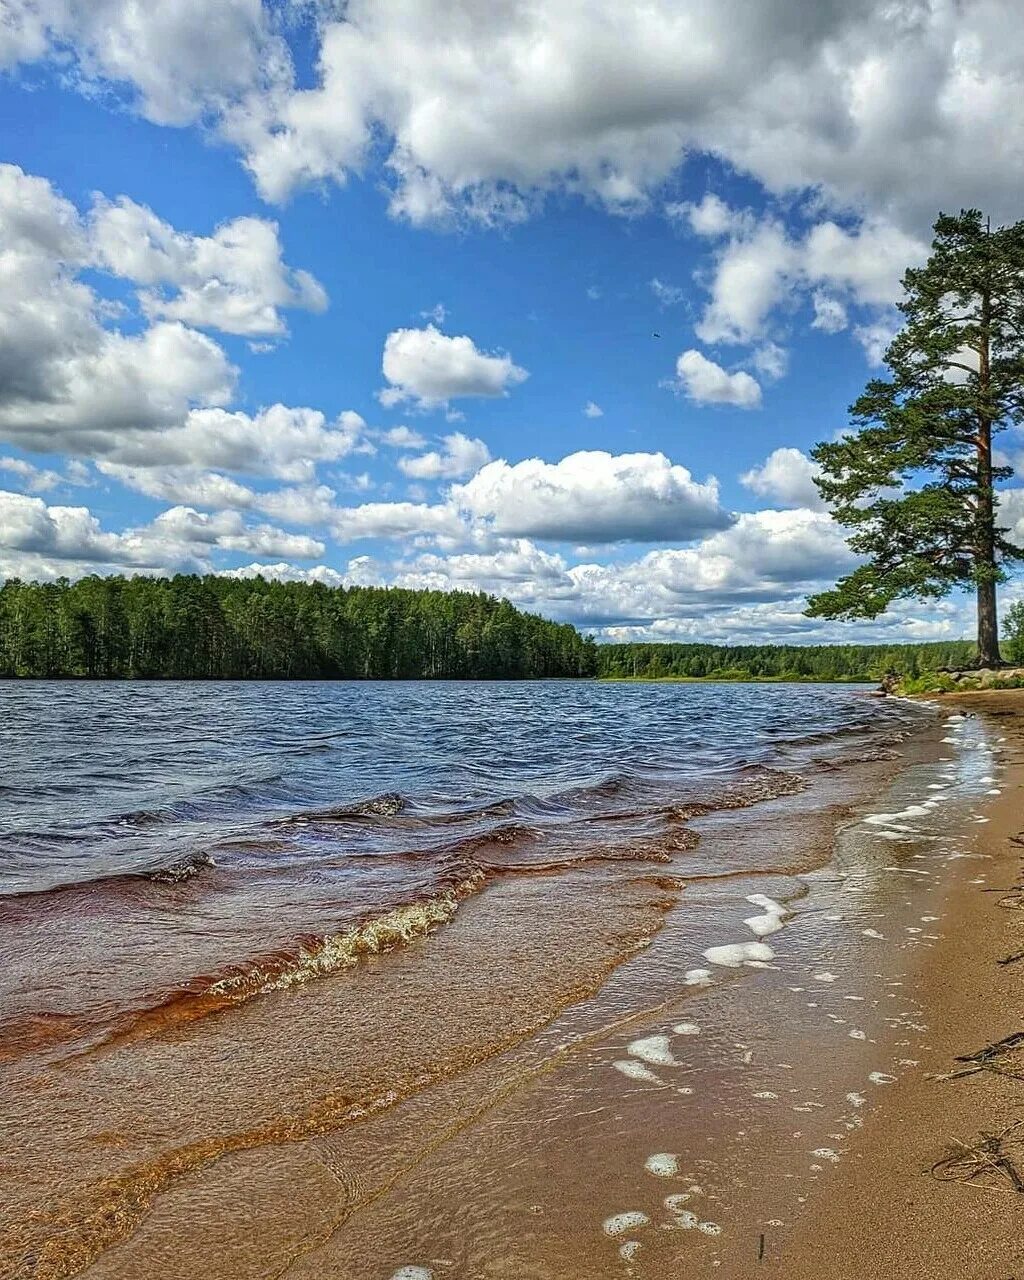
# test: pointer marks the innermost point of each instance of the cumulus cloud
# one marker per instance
(787, 477)
(459, 457)
(72, 382)
(429, 368)
(760, 266)
(43, 541)
(592, 410)
(705, 382)
(592, 497)
(234, 280)
(403, 438)
(398, 520)
(481, 111)
(169, 56)
(764, 558)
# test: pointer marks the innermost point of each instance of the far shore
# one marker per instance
(738, 679)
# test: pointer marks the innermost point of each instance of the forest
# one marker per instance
(781, 661)
(212, 627)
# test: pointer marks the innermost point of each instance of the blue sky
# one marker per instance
(547, 301)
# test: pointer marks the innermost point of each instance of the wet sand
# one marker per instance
(572, 1077)
(886, 1215)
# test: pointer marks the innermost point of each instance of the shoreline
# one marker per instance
(898, 1210)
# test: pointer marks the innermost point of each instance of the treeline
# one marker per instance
(190, 627)
(782, 661)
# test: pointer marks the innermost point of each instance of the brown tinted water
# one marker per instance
(430, 1024)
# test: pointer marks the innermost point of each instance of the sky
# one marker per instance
(545, 298)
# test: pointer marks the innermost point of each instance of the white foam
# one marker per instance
(697, 978)
(873, 933)
(887, 819)
(413, 1273)
(652, 1049)
(826, 1153)
(662, 1165)
(856, 1099)
(709, 1228)
(687, 1220)
(619, 1223)
(733, 954)
(762, 926)
(636, 1071)
(825, 977)
(773, 918)
(674, 1204)
(629, 1250)
(881, 1077)
(858, 1035)
(686, 1029)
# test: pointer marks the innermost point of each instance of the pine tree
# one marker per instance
(915, 479)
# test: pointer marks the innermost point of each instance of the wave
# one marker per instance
(311, 956)
(317, 957)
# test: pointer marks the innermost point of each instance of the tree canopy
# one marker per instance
(915, 479)
(190, 627)
(779, 661)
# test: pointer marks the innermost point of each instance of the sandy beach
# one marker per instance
(887, 1214)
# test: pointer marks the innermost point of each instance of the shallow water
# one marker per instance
(246, 924)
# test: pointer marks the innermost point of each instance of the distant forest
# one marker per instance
(200, 628)
(781, 661)
(190, 627)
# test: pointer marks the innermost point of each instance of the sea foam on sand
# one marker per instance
(733, 954)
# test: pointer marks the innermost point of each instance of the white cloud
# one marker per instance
(592, 410)
(667, 295)
(592, 497)
(481, 111)
(429, 368)
(765, 560)
(71, 382)
(771, 361)
(711, 217)
(43, 541)
(234, 280)
(170, 54)
(705, 382)
(787, 477)
(35, 479)
(284, 572)
(829, 313)
(403, 438)
(398, 520)
(460, 456)
(760, 268)
(876, 336)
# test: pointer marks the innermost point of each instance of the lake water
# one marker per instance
(240, 918)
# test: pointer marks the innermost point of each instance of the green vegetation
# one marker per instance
(915, 479)
(1013, 632)
(213, 627)
(853, 662)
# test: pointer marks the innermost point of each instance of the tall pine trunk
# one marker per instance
(985, 563)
